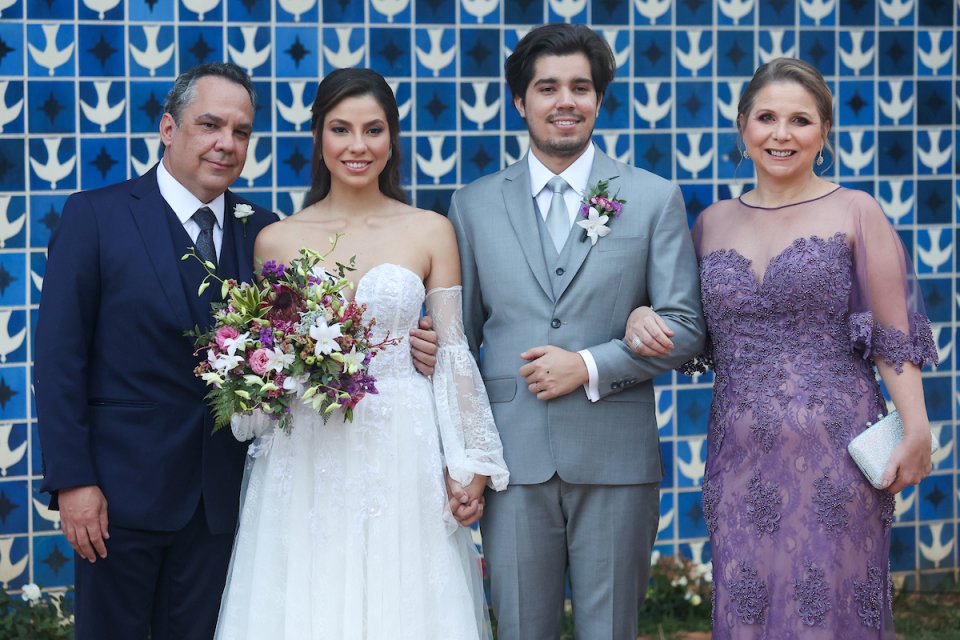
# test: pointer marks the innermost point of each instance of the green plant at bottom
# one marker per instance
(34, 615)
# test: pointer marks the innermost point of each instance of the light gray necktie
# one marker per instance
(558, 218)
(205, 219)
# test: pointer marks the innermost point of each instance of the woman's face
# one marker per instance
(355, 142)
(783, 132)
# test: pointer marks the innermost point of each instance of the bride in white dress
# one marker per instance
(345, 530)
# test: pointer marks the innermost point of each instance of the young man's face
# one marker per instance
(560, 107)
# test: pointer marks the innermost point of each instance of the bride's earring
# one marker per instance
(389, 154)
(820, 157)
(745, 153)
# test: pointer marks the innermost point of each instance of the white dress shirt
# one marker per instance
(185, 204)
(576, 175)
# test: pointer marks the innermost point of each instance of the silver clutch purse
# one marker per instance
(871, 450)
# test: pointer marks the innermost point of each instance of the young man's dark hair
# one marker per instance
(560, 40)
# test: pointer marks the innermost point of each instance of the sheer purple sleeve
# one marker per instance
(699, 363)
(887, 318)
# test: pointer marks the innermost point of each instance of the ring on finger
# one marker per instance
(636, 343)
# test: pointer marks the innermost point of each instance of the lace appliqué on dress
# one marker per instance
(750, 594)
(830, 503)
(868, 594)
(813, 594)
(763, 504)
(710, 496)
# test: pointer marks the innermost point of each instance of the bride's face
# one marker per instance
(356, 142)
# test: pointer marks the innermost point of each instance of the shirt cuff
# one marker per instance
(592, 388)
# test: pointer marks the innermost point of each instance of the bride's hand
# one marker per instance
(465, 509)
(647, 334)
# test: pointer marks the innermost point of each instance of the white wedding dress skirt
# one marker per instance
(345, 532)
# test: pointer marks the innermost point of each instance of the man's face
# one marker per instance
(206, 151)
(560, 107)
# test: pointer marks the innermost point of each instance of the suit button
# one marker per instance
(615, 385)
(559, 271)
(555, 323)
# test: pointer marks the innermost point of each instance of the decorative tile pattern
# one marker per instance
(82, 84)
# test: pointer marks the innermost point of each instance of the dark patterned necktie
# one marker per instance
(205, 248)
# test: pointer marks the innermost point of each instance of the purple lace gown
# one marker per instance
(799, 301)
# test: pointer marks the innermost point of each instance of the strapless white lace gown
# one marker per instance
(344, 531)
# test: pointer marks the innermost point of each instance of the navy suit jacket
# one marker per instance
(117, 403)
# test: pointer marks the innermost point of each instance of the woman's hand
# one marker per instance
(910, 461)
(647, 334)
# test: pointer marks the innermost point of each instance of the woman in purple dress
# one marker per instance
(806, 287)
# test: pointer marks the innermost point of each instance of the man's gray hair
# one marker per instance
(184, 90)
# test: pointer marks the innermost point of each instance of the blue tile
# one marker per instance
(339, 11)
(654, 152)
(859, 13)
(103, 162)
(436, 52)
(777, 12)
(103, 104)
(480, 53)
(151, 51)
(616, 106)
(436, 11)
(53, 106)
(14, 459)
(297, 52)
(52, 560)
(13, 290)
(251, 48)
(436, 160)
(933, 102)
(199, 45)
(390, 51)
(903, 548)
(14, 510)
(213, 15)
(895, 53)
(653, 104)
(100, 48)
(480, 155)
(651, 53)
(13, 218)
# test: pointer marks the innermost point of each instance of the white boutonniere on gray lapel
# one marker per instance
(598, 208)
(241, 212)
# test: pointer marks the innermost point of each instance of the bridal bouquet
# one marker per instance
(290, 335)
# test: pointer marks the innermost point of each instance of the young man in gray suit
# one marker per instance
(549, 302)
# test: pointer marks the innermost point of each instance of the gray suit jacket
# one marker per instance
(510, 306)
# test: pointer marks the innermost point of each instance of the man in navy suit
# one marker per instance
(129, 453)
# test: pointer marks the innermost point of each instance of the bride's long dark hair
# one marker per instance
(353, 83)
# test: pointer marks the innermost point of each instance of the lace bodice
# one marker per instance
(394, 296)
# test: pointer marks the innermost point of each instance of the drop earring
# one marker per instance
(389, 154)
(820, 157)
(745, 153)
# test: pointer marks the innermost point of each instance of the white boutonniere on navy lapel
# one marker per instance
(241, 212)
(598, 208)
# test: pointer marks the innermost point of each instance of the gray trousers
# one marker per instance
(602, 534)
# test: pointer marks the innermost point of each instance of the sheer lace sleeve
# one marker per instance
(703, 361)
(470, 440)
(887, 318)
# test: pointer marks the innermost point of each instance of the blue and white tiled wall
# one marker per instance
(82, 83)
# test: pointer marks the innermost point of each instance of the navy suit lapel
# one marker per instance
(151, 215)
(604, 168)
(520, 210)
(239, 239)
